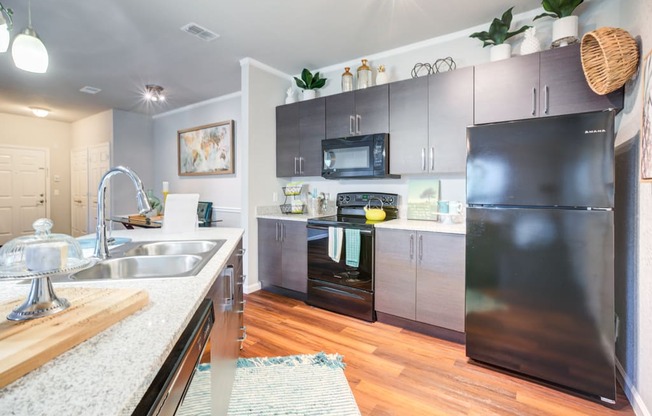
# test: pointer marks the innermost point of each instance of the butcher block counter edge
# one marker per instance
(109, 373)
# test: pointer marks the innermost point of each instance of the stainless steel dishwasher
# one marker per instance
(166, 393)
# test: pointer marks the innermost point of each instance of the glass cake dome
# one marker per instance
(36, 257)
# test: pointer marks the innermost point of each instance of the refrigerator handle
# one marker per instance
(534, 101)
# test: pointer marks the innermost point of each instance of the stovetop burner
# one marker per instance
(350, 209)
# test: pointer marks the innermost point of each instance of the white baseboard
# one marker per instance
(253, 287)
(632, 394)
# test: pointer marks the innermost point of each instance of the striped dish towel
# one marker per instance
(334, 243)
(352, 247)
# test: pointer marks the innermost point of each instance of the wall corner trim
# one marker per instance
(264, 67)
(635, 399)
(253, 288)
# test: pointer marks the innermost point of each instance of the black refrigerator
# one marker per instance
(540, 250)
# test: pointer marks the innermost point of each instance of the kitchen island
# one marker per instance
(109, 373)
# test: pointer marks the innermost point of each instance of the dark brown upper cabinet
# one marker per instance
(358, 112)
(544, 84)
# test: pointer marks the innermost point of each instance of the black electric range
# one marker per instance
(343, 280)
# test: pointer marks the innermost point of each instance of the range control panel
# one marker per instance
(360, 199)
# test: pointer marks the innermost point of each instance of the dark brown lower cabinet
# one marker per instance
(283, 256)
(420, 277)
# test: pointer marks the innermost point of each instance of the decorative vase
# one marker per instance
(347, 80)
(309, 94)
(364, 76)
(290, 96)
(381, 76)
(565, 31)
(500, 52)
(530, 43)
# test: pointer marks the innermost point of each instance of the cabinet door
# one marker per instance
(564, 89)
(395, 283)
(372, 110)
(450, 112)
(440, 280)
(507, 90)
(287, 140)
(269, 252)
(295, 256)
(312, 130)
(408, 126)
(339, 110)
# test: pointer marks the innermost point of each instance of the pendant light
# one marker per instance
(28, 51)
(5, 28)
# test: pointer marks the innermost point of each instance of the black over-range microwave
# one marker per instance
(356, 157)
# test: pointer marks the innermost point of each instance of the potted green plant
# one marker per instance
(565, 28)
(309, 83)
(497, 35)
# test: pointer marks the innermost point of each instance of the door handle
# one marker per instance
(534, 101)
(423, 158)
(358, 123)
(411, 246)
(351, 122)
(546, 100)
(432, 158)
(41, 202)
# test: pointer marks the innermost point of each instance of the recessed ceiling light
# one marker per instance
(90, 90)
(40, 112)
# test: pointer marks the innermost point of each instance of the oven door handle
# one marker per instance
(338, 292)
(321, 227)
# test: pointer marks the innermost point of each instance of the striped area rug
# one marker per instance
(291, 385)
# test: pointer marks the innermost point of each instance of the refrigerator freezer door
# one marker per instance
(539, 294)
(564, 161)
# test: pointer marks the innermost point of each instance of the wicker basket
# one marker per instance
(609, 58)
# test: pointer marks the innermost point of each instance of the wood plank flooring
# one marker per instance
(393, 371)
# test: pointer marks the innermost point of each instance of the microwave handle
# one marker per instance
(351, 123)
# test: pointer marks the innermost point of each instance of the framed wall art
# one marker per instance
(206, 150)
(646, 121)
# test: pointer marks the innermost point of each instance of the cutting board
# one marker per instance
(27, 345)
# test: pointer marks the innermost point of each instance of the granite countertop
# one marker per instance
(417, 225)
(273, 212)
(109, 373)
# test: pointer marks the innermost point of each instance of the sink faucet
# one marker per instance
(101, 245)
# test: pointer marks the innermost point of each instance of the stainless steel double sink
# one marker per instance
(149, 259)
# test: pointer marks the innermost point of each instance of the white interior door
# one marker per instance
(79, 191)
(23, 190)
(99, 160)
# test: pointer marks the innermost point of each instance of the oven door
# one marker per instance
(321, 267)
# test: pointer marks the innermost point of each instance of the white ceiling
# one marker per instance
(121, 45)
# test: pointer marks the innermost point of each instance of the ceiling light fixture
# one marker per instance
(28, 51)
(154, 93)
(6, 24)
(40, 112)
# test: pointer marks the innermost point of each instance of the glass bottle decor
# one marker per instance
(381, 76)
(347, 80)
(364, 76)
(154, 202)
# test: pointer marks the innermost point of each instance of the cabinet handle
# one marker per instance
(423, 158)
(241, 252)
(295, 165)
(534, 101)
(283, 235)
(420, 247)
(411, 246)
(546, 100)
(277, 232)
(432, 158)
(358, 123)
(301, 165)
(351, 122)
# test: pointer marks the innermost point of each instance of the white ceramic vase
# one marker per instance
(530, 42)
(565, 31)
(309, 94)
(500, 52)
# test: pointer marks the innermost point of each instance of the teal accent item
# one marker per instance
(352, 247)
